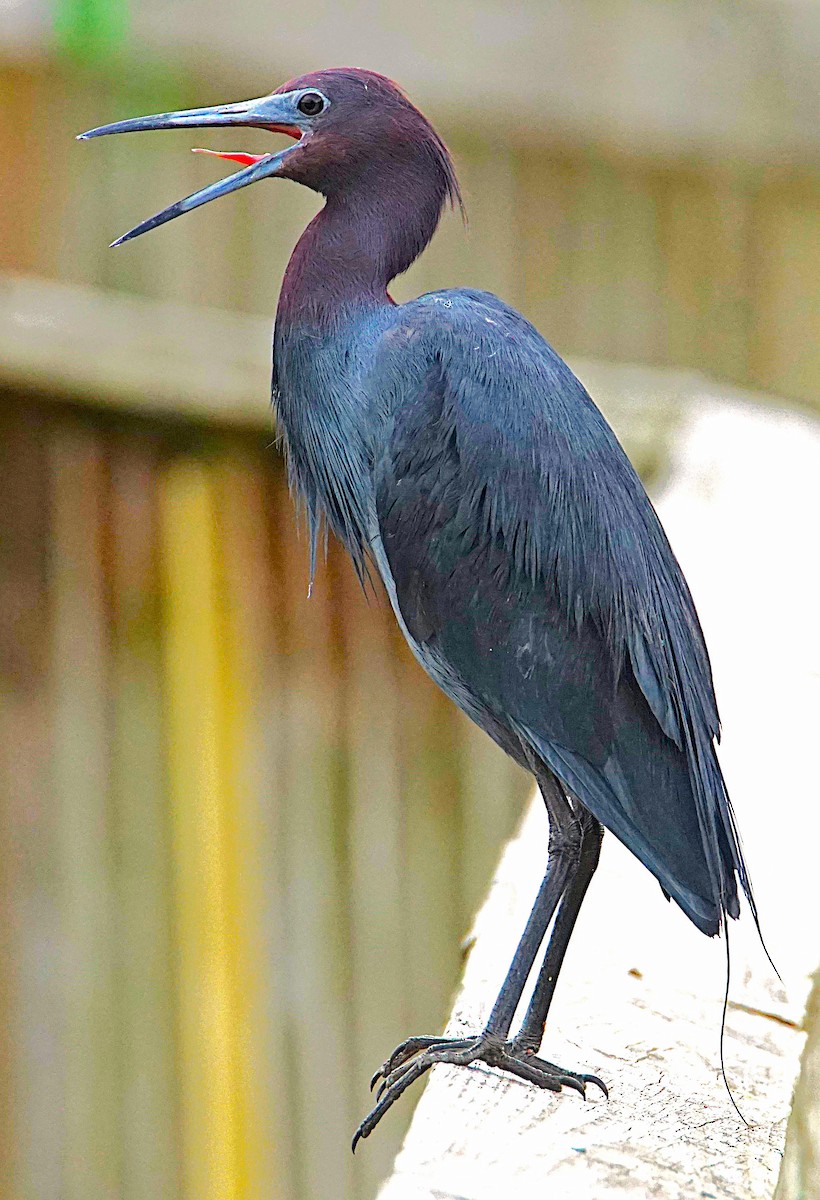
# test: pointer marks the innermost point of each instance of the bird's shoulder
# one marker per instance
(477, 332)
(501, 377)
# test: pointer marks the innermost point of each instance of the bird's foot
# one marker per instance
(417, 1055)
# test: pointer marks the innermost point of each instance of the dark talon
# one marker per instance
(599, 1083)
(571, 1081)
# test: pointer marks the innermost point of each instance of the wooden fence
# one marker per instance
(243, 835)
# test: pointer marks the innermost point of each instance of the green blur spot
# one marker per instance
(90, 31)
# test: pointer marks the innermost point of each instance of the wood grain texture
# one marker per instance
(243, 605)
(144, 953)
(319, 1012)
(31, 1062)
(86, 867)
(375, 837)
(800, 1172)
(20, 174)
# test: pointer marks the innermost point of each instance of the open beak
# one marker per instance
(277, 113)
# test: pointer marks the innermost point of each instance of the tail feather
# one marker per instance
(687, 880)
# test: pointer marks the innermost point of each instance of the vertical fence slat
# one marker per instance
(544, 243)
(493, 793)
(685, 278)
(482, 253)
(785, 348)
(81, 203)
(727, 245)
(245, 600)
(275, 752)
(372, 705)
(149, 1130)
(81, 789)
(319, 1001)
(639, 334)
(32, 1139)
(194, 712)
(593, 261)
(20, 169)
(433, 925)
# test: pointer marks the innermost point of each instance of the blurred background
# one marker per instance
(242, 836)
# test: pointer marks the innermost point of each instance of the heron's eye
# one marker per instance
(311, 104)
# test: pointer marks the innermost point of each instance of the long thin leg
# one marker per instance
(531, 1032)
(561, 858)
(574, 840)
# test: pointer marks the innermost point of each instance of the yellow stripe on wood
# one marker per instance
(213, 1157)
(244, 601)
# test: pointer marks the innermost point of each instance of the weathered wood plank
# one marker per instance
(320, 1020)
(800, 1172)
(112, 351)
(81, 787)
(156, 358)
(668, 1123)
(243, 604)
(372, 706)
(786, 304)
(148, 1133)
(203, 902)
(32, 1130)
(274, 750)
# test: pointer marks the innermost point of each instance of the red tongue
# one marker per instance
(247, 159)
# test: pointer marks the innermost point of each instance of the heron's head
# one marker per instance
(356, 135)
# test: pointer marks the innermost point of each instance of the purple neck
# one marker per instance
(353, 248)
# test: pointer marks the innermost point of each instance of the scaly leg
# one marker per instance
(414, 1057)
(528, 1038)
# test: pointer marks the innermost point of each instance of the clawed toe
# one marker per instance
(414, 1057)
(599, 1083)
(404, 1052)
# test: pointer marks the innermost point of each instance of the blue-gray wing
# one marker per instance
(531, 569)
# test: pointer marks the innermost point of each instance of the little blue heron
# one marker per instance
(455, 455)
